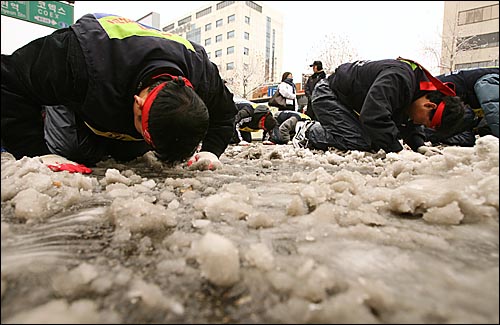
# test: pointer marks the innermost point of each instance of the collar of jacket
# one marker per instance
(145, 77)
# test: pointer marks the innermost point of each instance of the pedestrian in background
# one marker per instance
(288, 90)
(311, 82)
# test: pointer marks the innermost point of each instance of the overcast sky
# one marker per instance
(377, 30)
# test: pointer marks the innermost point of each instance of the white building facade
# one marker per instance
(470, 35)
(243, 38)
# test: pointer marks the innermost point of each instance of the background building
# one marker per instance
(470, 35)
(244, 39)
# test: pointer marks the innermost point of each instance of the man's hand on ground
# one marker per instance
(429, 151)
(58, 163)
(204, 160)
(243, 143)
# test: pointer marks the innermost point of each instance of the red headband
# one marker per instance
(149, 101)
(438, 115)
(262, 122)
(434, 84)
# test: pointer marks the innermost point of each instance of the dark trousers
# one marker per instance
(338, 125)
(310, 111)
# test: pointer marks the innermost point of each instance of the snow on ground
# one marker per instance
(278, 235)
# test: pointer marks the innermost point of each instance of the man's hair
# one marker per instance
(453, 113)
(178, 121)
(269, 122)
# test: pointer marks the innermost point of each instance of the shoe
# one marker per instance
(300, 139)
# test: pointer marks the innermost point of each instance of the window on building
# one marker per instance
(246, 35)
(218, 38)
(208, 41)
(478, 41)
(478, 14)
(208, 27)
(246, 51)
(254, 6)
(230, 50)
(479, 64)
(218, 23)
(231, 18)
(218, 53)
(169, 27)
(247, 20)
(184, 21)
(194, 35)
(204, 12)
(230, 66)
(224, 4)
(230, 34)
(209, 54)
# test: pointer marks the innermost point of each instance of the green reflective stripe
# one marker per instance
(120, 28)
(249, 129)
(305, 116)
(412, 65)
(113, 135)
(478, 112)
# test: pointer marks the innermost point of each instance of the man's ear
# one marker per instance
(139, 101)
(430, 105)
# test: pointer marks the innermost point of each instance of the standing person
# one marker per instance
(288, 90)
(478, 89)
(370, 105)
(311, 82)
(112, 86)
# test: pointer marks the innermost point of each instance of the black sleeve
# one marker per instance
(413, 135)
(389, 95)
(308, 90)
(244, 112)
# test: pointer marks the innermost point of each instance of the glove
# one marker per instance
(57, 163)
(204, 160)
(429, 151)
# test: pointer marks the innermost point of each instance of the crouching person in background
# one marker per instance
(250, 118)
(371, 105)
(478, 88)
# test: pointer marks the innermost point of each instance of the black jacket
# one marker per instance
(312, 81)
(95, 67)
(379, 92)
(464, 81)
(121, 54)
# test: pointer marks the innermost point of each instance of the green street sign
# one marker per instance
(53, 14)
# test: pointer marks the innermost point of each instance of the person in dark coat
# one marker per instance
(251, 117)
(371, 105)
(478, 89)
(311, 82)
(114, 87)
(284, 130)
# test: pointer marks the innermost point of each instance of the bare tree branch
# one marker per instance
(332, 51)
